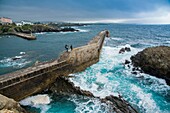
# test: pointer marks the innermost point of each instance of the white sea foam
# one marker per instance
(41, 33)
(83, 30)
(168, 41)
(110, 77)
(88, 105)
(145, 100)
(115, 38)
(38, 101)
(22, 53)
(15, 62)
(101, 86)
(35, 100)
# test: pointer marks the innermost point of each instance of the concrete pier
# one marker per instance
(25, 36)
(23, 83)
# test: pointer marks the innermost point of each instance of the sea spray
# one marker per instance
(37, 101)
(110, 76)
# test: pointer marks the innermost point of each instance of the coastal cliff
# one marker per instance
(154, 61)
(25, 31)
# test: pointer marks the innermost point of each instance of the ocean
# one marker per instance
(109, 76)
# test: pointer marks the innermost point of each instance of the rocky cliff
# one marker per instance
(8, 105)
(154, 61)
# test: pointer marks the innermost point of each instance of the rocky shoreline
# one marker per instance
(8, 105)
(63, 86)
(154, 61)
(25, 31)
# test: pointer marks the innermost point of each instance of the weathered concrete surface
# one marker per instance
(25, 36)
(8, 105)
(25, 82)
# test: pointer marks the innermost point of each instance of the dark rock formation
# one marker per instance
(126, 49)
(68, 29)
(154, 61)
(118, 104)
(127, 62)
(63, 86)
(8, 105)
(122, 50)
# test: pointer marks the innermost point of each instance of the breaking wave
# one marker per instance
(110, 77)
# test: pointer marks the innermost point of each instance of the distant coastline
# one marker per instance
(25, 31)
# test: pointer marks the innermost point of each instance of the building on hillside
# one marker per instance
(23, 22)
(18, 24)
(5, 20)
(26, 22)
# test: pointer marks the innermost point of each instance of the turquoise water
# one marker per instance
(146, 93)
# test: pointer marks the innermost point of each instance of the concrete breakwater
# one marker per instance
(25, 36)
(25, 82)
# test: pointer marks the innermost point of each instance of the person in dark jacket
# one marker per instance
(66, 47)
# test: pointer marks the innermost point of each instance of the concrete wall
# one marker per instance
(26, 82)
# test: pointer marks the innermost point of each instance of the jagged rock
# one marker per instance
(122, 50)
(126, 49)
(119, 105)
(8, 105)
(154, 61)
(127, 62)
(68, 29)
(63, 86)
(134, 72)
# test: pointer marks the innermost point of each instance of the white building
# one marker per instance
(26, 22)
(23, 23)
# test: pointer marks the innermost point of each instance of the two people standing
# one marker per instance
(66, 47)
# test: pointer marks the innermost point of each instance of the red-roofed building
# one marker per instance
(5, 20)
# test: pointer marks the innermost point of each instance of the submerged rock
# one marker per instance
(154, 61)
(8, 105)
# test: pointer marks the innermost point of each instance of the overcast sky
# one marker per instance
(115, 11)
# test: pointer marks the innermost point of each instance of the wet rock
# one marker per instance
(68, 29)
(63, 86)
(134, 72)
(127, 49)
(127, 62)
(122, 50)
(16, 58)
(118, 104)
(154, 61)
(8, 105)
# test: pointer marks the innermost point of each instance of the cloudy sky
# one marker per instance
(115, 11)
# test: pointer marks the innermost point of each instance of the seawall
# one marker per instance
(25, 82)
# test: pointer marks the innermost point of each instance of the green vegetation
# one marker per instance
(51, 27)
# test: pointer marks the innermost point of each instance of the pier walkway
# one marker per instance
(25, 82)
